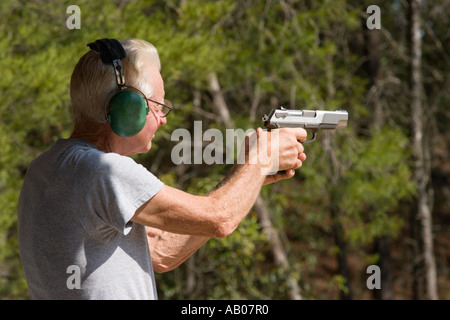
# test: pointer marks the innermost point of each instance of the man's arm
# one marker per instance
(214, 215)
(189, 220)
(169, 250)
(219, 213)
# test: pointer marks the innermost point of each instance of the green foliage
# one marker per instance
(374, 184)
(362, 180)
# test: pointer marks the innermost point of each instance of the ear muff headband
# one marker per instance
(127, 108)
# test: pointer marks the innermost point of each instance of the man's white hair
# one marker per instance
(93, 82)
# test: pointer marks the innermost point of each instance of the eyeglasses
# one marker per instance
(164, 108)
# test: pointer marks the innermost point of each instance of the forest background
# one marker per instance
(375, 193)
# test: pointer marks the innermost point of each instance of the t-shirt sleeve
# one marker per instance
(117, 186)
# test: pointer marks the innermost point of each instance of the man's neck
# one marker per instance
(95, 133)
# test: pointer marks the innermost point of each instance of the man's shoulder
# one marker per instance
(80, 151)
(79, 157)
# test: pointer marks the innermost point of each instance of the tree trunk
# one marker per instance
(338, 230)
(219, 105)
(221, 109)
(383, 248)
(422, 172)
(346, 293)
(277, 248)
(373, 67)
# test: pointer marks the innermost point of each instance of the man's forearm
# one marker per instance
(237, 193)
(233, 197)
(214, 215)
(169, 250)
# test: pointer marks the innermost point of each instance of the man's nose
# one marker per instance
(162, 120)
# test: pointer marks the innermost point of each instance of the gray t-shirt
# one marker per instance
(75, 235)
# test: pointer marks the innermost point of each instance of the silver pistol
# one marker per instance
(307, 119)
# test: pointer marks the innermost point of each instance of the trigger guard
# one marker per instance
(313, 137)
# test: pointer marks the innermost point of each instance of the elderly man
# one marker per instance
(94, 224)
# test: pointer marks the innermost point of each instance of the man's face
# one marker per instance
(142, 142)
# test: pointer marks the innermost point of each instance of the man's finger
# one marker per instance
(300, 134)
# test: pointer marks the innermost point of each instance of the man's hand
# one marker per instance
(290, 153)
(277, 150)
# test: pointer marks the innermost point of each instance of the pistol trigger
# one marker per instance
(313, 137)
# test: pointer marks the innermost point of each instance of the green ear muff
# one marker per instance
(127, 113)
(128, 109)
